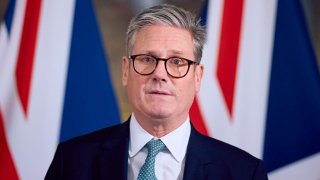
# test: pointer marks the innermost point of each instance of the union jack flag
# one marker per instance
(261, 86)
(54, 82)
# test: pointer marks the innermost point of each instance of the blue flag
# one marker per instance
(90, 103)
(293, 116)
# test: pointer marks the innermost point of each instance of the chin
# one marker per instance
(159, 114)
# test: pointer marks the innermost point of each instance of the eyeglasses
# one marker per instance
(176, 67)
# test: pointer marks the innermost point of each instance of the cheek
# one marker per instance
(134, 88)
(186, 92)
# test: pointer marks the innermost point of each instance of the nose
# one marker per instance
(160, 73)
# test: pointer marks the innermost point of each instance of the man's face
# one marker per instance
(159, 96)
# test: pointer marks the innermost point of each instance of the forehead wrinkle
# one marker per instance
(146, 42)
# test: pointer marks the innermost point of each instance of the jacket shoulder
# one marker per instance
(118, 131)
(224, 150)
(234, 162)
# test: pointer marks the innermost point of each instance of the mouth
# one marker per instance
(159, 92)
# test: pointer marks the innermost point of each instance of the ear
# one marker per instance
(198, 76)
(125, 70)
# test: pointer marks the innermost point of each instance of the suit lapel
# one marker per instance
(194, 165)
(201, 163)
(113, 161)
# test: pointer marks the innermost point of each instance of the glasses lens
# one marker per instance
(177, 67)
(144, 64)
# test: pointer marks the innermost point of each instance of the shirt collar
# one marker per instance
(139, 137)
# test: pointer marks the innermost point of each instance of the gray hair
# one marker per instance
(170, 15)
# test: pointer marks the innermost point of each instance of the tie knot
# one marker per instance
(155, 146)
(147, 170)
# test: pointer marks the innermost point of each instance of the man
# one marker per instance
(162, 74)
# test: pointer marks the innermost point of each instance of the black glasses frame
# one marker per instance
(133, 57)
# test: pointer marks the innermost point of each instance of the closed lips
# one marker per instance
(159, 92)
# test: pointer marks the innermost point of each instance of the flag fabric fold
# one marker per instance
(273, 109)
(293, 126)
(90, 102)
(54, 85)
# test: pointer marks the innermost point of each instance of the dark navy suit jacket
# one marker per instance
(104, 155)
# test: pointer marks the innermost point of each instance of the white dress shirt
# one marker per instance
(169, 164)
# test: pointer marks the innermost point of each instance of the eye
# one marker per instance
(176, 61)
(147, 59)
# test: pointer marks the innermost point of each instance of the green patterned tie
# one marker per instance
(147, 170)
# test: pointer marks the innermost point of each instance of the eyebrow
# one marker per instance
(175, 52)
(171, 52)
